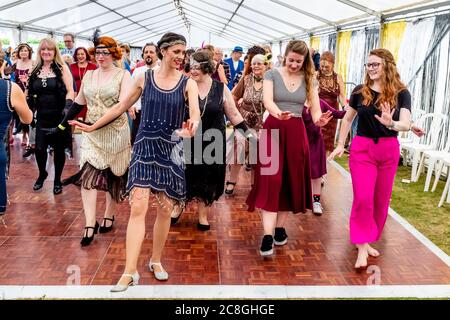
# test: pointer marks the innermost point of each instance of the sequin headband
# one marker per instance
(193, 62)
(171, 43)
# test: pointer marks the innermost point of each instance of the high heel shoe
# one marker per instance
(229, 191)
(104, 228)
(159, 275)
(123, 287)
(175, 220)
(203, 227)
(40, 182)
(87, 240)
(57, 188)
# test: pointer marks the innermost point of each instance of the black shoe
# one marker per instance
(40, 182)
(203, 227)
(229, 191)
(280, 237)
(248, 167)
(266, 245)
(57, 188)
(175, 220)
(104, 228)
(87, 240)
(28, 152)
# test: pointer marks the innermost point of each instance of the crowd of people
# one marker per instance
(160, 128)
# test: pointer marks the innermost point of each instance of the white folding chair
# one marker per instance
(432, 123)
(445, 162)
(433, 156)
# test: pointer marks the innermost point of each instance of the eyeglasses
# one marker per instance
(373, 65)
(103, 53)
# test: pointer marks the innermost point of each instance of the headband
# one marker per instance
(171, 43)
(193, 62)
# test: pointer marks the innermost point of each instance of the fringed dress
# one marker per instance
(157, 160)
(105, 153)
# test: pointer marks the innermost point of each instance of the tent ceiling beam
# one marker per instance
(98, 15)
(238, 15)
(57, 12)
(157, 29)
(242, 32)
(234, 22)
(155, 34)
(362, 8)
(13, 4)
(232, 16)
(270, 16)
(154, 25)
(308, 14)
(217, 29)
(141, 21)
(224, 36)
(217, 32)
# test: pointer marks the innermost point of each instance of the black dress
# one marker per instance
(205, 168)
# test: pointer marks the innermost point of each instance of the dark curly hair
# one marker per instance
(168, 38)
(208, 65)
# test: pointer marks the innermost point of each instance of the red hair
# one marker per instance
(116, 52)
(391, 84)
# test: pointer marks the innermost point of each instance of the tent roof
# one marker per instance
(224, 23)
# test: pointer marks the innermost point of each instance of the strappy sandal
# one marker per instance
(230, 191)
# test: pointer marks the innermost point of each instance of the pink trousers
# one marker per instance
(372, 167)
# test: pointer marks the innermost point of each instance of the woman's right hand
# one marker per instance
(339, 151)
(284, 115)
(83, 127)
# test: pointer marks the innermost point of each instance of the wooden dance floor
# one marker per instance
(40, 242)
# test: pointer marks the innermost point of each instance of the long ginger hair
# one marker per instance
(391, 84)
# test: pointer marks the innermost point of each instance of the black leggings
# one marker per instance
(58, 141)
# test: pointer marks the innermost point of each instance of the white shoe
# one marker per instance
(123, 287)
(159, 275)
(317, 208)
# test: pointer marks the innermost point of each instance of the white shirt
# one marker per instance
(236, 64)
(137, 71)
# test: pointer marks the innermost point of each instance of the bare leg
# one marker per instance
(234, 172)
(269, 221)
(281, 219)
(161, 228)
(89, 199)
(135, 230)
(316, 186)
(203, 213)
(111, 206)
(361, 261)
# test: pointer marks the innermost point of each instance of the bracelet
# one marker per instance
(60, 126)
(391, 126)
(341, 142)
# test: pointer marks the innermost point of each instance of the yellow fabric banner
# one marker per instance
(314, 42)
(343, 48)
(392, 35)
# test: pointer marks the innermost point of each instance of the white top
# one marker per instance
(137, 71)
(236, 64)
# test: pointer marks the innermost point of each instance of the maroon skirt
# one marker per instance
(282, 174)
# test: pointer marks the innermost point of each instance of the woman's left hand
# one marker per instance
(386, 114)
(324, 119)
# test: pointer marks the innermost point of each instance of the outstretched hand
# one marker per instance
(85, 127)
(339, 151)
(324, 119)
(188, 129)
(386, 114)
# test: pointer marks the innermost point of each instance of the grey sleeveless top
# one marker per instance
(284, 99)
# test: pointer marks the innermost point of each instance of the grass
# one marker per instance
(419, 208)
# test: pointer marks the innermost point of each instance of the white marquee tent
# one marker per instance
(224, 23)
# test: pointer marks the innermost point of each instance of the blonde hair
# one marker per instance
(57, 59)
